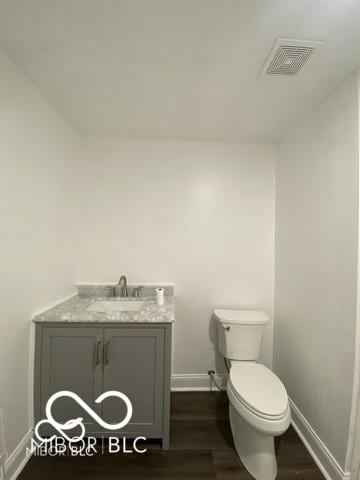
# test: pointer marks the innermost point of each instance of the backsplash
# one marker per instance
(87, 290)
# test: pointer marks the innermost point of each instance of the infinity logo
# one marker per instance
(79, 422)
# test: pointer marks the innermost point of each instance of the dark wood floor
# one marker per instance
(201, 448)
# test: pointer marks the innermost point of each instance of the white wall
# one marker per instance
(199, 214)
(37, 255)
(316, 265)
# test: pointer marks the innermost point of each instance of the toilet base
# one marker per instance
(255, 449)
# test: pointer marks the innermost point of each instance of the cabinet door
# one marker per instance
(134, 365)
(71, 359)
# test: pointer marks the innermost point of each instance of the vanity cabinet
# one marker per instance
(89, 359)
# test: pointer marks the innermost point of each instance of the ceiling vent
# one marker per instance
(288, 56)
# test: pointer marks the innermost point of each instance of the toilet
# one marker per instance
(258, 402)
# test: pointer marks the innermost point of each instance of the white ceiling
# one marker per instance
(178, 69)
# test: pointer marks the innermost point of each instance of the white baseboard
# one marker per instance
(324, 459)
(19, 458)
(197, 382)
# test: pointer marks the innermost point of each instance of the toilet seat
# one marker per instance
(273, 426)
(258, 390)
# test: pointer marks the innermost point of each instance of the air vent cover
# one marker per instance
(288, 56)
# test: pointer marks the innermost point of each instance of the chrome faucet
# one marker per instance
(122, 286)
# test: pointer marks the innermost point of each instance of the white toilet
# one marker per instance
(259, 407)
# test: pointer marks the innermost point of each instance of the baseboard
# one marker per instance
(19, 458)
(326, 462)
(197, 382)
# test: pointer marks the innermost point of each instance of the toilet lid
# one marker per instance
(259, 388)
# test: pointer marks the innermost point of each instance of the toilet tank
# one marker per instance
(240, 333)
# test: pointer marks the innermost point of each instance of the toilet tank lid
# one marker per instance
(241, 317)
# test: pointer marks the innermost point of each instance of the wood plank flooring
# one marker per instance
(201, 447)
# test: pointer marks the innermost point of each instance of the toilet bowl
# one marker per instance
(258, 402)
(258, 411)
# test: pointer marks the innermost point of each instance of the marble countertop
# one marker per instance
(73, 310)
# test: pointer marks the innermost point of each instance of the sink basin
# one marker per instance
(103, 306)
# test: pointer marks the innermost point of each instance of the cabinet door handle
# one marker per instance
(98, 352)
(107, 352)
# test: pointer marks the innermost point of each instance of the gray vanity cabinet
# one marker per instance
(134, 365)
(70, 361)
(89, 359)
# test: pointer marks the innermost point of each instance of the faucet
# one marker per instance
(123, 286)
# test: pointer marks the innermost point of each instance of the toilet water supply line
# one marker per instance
(211, 373)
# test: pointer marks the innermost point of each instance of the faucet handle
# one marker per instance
(137, 291)
(117, 291)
